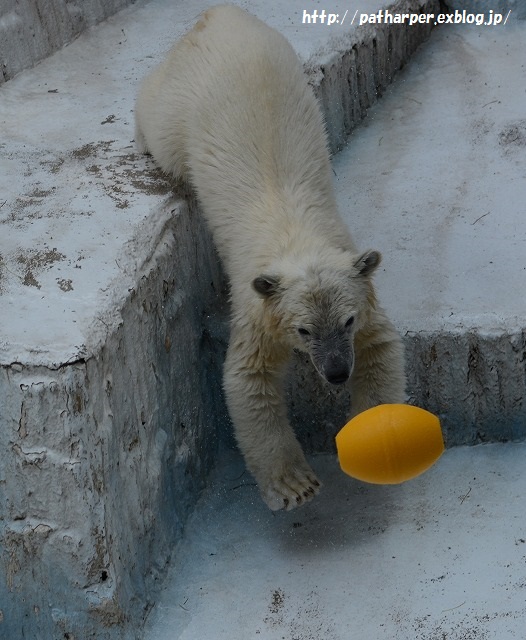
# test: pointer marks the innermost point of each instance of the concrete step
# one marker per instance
(434, 179)
(31, 31)
(445, 205)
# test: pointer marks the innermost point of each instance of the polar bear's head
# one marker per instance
(320, 303)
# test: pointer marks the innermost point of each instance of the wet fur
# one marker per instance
(230, 110)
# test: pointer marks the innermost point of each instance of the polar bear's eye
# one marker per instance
(303, 332)
(349, 322)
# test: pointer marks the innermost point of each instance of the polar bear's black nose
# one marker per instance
(337, 373)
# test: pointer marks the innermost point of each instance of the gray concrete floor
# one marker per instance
(440, 557)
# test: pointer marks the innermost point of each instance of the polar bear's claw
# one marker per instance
(292, 489)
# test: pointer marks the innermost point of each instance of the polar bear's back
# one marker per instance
(230, 108)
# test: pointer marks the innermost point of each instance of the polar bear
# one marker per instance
(230, 110)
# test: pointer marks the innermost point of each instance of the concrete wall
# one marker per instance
(474, 382)
(103, 458)
(354, 76)
(31, 30)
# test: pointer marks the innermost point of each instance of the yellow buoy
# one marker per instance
(390, 443)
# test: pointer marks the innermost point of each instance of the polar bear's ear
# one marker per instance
(266, 286)
(368, 262)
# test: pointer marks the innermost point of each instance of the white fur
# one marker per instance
(230, 110)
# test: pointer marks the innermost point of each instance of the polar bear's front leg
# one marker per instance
(255, 398)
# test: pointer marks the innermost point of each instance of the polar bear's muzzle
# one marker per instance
(334, 362)
(337, 371)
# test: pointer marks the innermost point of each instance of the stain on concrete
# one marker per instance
(472, 627)
(92, 149)
(301, 619)
(513, 135)
(109, 613)
(22, 544)
(108, 168)
(55, 167)
(98, 570)
(34, 261)
(103, 168)
(65, 284)
(120, 175)
(277, 602)
(29, 280)
(39, 260)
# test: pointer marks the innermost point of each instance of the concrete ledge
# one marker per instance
(104, 457)
(362, 64)
(475, 382)
(31, 30)
(449, 143)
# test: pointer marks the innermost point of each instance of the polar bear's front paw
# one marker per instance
(290, 489)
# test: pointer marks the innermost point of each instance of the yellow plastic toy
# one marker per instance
(390, 443)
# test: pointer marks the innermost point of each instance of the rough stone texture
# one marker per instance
(99, 468)
(474, 381)
(31, 30)
(362, 65)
